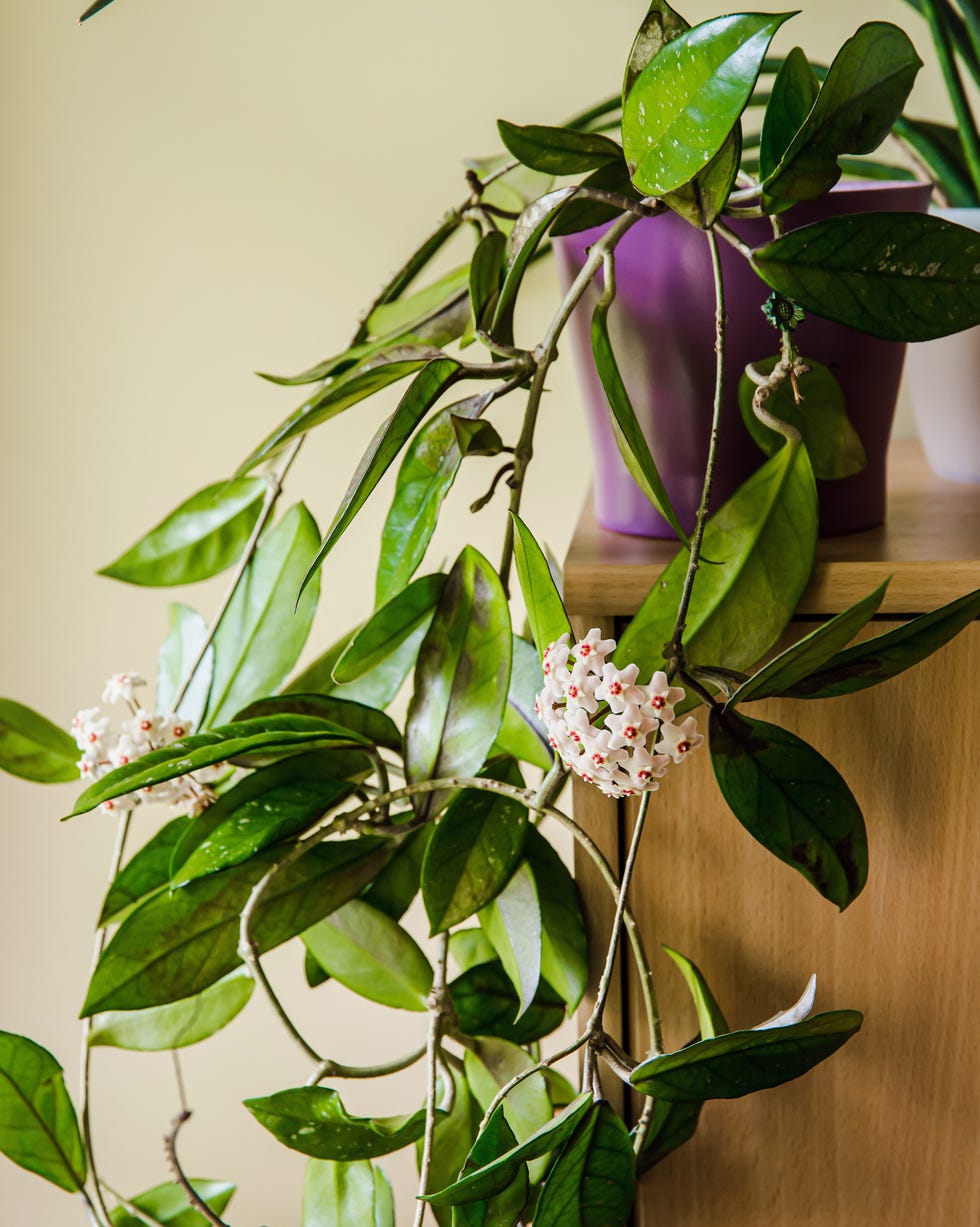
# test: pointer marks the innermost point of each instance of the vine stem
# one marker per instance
(437, 1016)
(170, 1150)
(99, 1208)
(676, 661)
(334, 1069)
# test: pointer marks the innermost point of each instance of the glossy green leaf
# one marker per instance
(702, 200)
(685, 103)
(471, 855)
(522, 734)
(741, 1062)
(794, 802)
(365, 724)
(476, 438)
(496, 1175)
(593, 1180)
(503, 1209)
(672, 1125)
(395, 887)
(711, 1021)
(470, 947)
(834, 446)
(414, 314)
(763, 542)
(861, 97)
(202, 537)
(265, 808)
(271, 733)
(38, 1129)
(425, 477)
(582, 214)
(375, 688)
(793, 94)
(564, 944)
(430, 383)
(523, 241)
(188, 634)
(461, 679)
(558, 151)
(486, 1004)
(176, 1025)
(900, 276)
(167, 1204)
(452, 1138)
(490, 1064)
(33, 748)
(940, 148)
(389, 627)
(660, 25)
(545, 609)
(811, 653)
(336, 1194)
(264, 628)
(876, 660)
(146, 872)
(372, 955)
(179, 942)
(486, 270)
(626, 430)
(513, 924)
(312, 1120)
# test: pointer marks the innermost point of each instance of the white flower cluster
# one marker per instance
(105, 748)
(610, 730)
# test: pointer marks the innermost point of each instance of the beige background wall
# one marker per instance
(194, 189)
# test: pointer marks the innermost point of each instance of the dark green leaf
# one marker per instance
(486, 1004)
(876, 660)
(672, 1125)
(529, 229)
(763, 542)
(627, 431)
(513, 924)
(423, 392)
(558, 151)
(34, 748)
(490, 1064)
(522, 734)
(496, 1175)
(312, 1120)
(389, 627)
(364, 723)
(38, 1129)
(264, 627)
(794, 92)
(372, 955)
(273, 733)
(741, 1062)
(199, 539)
(795, 803)
(92, 9)
(461, 678)
(471, 855)
(486, 270)
(148, 871)
(834, 447)
(176, 1025)
(811, 653)
(901, 276)
(701, 201)
(178, 943)
(476, 438)
(188, 634)
(861, 97)
(167, 1204)
(687, 100)
(711, 1021)
(581, 214)
(504, 1208)
(940, 147)
(395, 887)
(564, 945)
(425, 477)
(545, 609)
(452, 1139)
(593, 1180)
(659, 26)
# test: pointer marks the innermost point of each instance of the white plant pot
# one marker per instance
(943, 381)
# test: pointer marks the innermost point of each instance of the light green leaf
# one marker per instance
(376, 688)
(264, 627)
(702, 200)
(38, 1129)
(176, 1025)
(524, 240)
(33, 748)
(491, 1064)
(513, 924)
(202, 537)
(469, 948)
(452, 1139)
(545, 609)
(389, 627)
(188, 633)
(168, 1204)
(522, 735)
(413, 315)
(372, 955)
(711, 1020)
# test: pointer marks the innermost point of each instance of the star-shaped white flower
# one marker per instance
(121, 688)
(662, 697)
(678, 740)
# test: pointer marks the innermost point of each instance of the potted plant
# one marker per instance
(304, 811)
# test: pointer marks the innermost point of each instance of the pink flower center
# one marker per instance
(658, 702)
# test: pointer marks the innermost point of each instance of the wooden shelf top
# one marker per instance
(929, 545)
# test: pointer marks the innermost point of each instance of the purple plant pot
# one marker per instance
(662, 326)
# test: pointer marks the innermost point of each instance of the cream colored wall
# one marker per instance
(194, 189)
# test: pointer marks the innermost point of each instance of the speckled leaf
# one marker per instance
(167, 1205)
(38, 1129)
(33, 748)
(794, 802)
(741, 1062)
(702, 200)
(176, 1025)
(558, 151)
(312, 1120)
(659, 26)
(202, 537)
(593, 1180)
(461, 679)
(900, 276)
